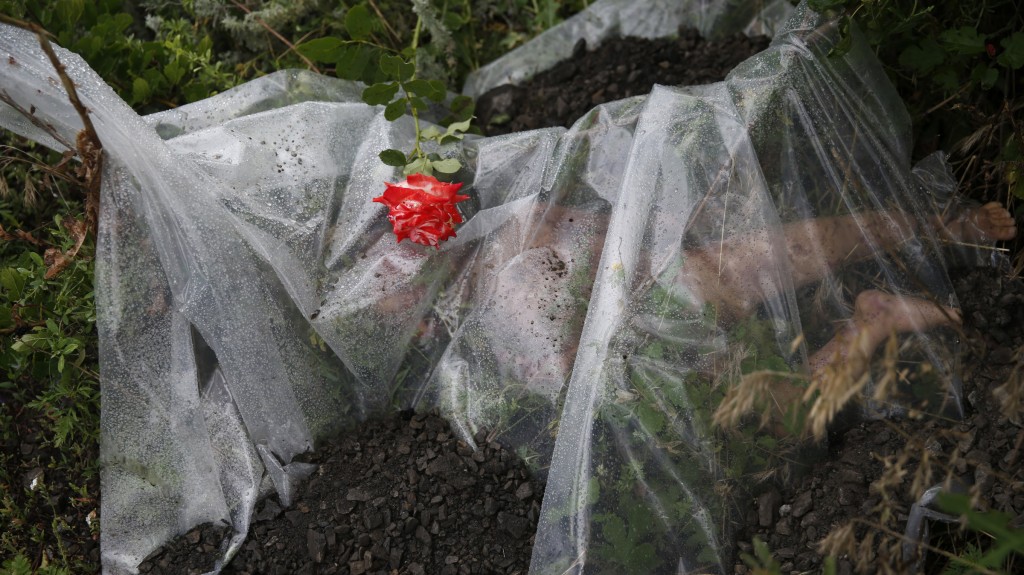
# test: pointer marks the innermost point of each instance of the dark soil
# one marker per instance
(618, 68)
(400, 495)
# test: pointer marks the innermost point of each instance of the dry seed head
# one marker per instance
(842, 379)
(922, 475)
(840, 541)
(865, 553)
(754, 392)
(31, 195)
(885, 388)
(1011, 393)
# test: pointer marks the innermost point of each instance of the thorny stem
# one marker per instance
(416, 151)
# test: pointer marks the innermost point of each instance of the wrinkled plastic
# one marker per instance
(252, 299)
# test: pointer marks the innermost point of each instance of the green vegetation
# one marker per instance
(957, 66)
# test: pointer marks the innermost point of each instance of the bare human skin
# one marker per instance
(815, 246)
(728, 274)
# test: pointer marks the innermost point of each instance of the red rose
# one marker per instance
(422, 209)
(990, 48)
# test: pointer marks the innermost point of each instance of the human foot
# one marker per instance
(881, 314)
(988, 223)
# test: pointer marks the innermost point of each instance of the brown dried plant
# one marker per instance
(1011, 393)
(87, 146)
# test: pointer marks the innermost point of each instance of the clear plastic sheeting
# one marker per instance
(620, 18)
(611, 284)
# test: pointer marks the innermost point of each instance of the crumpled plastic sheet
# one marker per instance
(621, 18)
(252, 299)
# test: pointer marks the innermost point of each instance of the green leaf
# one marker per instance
(395, 110)
(456, 127)
(439, 91)
(923, 57)
(419, 166)
(20, 565)
(390, 65)
(393, 158)
(593, 490)
(406, 71)
(454, 21)
(1013, 175)
(462, 108)
(326, 49)
(964, 40)
(70, 11)
(651, 418)
(448, 166)
(614, 531)
(359, 22)
(140, 90)
(767, 442)
(842, 47)
(60, 364)
(6, 321)
(174, 71)
(418, 87)
(13, 282)
(419, 103)
(985, 76)
(1013, 51)
(353, 63)
(655, 350)
(947, 79)
(380, 94)
(431, 133)
(642, 557)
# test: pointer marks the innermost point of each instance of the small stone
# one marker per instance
(767, 502)
(851, 476)
(315, 545)
(512, 524)
(783, 527)
(525, 491)
(270, 511)
(357, 494)
(295, 517)
(802, 504)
